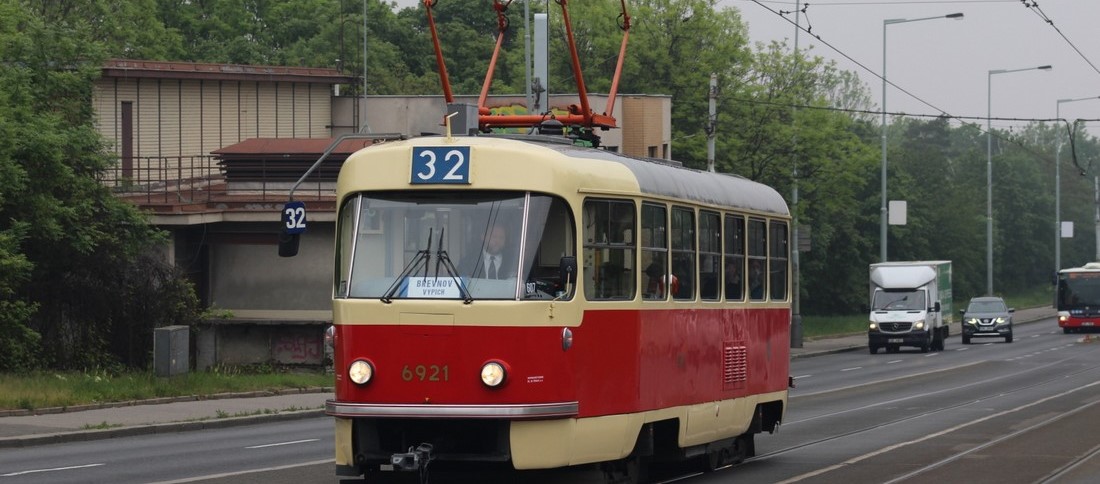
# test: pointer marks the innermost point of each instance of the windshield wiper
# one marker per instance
(441, 258)
(422, 256)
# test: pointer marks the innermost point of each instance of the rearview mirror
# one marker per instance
(288, 244)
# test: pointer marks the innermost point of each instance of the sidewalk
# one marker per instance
(141, 418)
(51, 426)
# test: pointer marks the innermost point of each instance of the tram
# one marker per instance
(529, 301)
(1077, 298)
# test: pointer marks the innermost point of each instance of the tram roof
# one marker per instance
(662, 178)
(654, 177)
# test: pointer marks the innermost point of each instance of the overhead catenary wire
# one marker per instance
(942, 113)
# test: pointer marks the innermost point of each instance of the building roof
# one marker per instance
(133, 68)
(284, 148)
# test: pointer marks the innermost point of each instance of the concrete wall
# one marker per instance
(243, 342)
(192, 117)
(248, 278)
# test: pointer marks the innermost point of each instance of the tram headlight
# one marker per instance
(493, 374)
(360, 371)
(566, 339)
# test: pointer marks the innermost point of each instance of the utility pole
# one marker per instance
(796, 310)
(712, 121)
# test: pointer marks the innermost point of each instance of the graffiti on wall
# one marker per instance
(297, 349)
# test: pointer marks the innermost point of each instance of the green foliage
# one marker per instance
(59, 389)
(81, 289)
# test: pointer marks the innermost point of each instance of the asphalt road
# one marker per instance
(1020, 412)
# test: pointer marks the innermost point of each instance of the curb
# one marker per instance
(158, 428)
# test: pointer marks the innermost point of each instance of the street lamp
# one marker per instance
(1058, 183)
(989, 170)
(882, 209)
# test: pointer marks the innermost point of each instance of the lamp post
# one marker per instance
(1058, 184)
(989, 170)
(882, 209)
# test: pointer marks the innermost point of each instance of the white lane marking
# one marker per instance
(802, 376)
(1035, 336)
(282, 443)
(946, 431)
(931, 354)
(54, 469)
(964, 348)
(894, 361)
(241, 473)
(850, 369)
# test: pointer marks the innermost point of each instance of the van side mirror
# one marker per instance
(936, 307)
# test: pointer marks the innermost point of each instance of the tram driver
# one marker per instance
(490, 259)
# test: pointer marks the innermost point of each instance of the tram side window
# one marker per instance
(777, 260)
(683, 252)
(609, 249)
(710, 255)
(735, 258)
(654, 240)
(758, 257)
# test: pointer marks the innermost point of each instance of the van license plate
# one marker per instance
(895, 340)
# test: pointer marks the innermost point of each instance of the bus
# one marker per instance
(639, 311)
(1077, 298)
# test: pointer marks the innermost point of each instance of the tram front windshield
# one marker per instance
(1077, 290)
(452, 245)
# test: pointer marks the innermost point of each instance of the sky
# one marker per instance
(943, 64)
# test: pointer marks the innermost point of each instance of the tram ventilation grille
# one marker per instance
(734, 365)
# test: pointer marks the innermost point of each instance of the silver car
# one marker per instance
(987, 317)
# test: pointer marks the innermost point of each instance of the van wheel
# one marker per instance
(873, 348)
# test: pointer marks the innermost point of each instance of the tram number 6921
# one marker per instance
(425, 373)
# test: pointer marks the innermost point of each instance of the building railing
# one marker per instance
(183, 180)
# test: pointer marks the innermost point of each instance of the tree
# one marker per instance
(73, 248)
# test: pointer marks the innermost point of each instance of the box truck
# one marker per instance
(910, 305)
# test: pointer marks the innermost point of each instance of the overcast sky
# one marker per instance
(945, 63)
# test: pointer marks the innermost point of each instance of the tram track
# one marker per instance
(941, 410)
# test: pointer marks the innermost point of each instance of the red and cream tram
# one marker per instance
(637, 311)
(523, 302)
(1077, 298)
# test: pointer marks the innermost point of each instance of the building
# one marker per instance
(210, 151)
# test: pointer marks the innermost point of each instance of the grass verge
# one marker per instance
(64, 389)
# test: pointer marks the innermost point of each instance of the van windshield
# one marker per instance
(899, 301)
